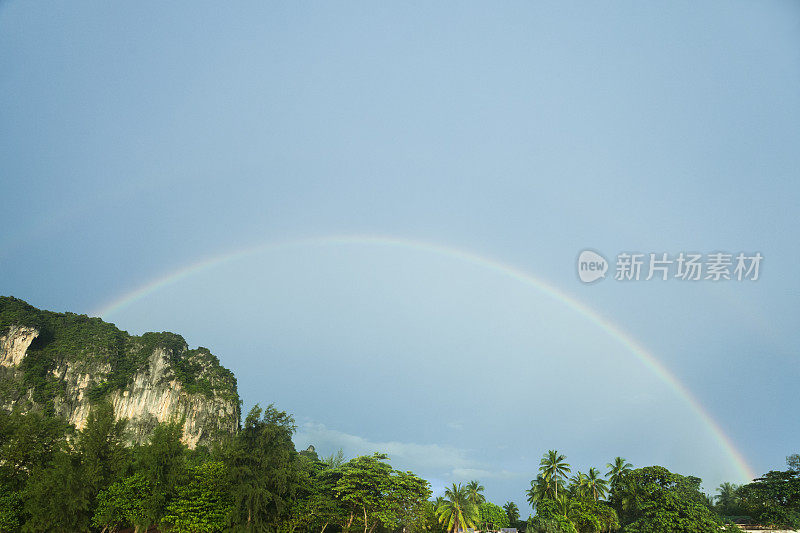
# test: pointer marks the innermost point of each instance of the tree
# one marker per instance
(27, 441)
(316, 506)
(262, 468)
(570, 515)
(727, 499)
(595, 485)
(204, 504)
(475, 492)
(793, 462)
(125, 504)
(407, 497)
(491, 517)
(378, 495)
(361, 487)
(163, 463)
(541, 489)
(617, 469)
(554, 468)
(335, 460)
(577, 486)
(774, 499)
(551, 517)
(426, 520)
(456, 512)
(56, 497)
(326, 508)
(101, 446)
(512, 512)
(659, 500)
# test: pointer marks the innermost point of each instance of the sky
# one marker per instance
(372, 213)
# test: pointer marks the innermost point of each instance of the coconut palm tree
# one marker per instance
(566, 506)
(595, 484)
(455, 511)
(538, 491)
(577, 485)
(727, 498)
(554, 468)
(475, 492)
(512, 511)
(617, 469)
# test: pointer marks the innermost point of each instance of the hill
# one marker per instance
(63, 362)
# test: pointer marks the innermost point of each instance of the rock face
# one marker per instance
(14, 344)
(63, 363)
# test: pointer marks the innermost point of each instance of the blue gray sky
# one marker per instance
(139, 139)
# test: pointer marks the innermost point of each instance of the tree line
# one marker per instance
(54, 478)
(653, 499)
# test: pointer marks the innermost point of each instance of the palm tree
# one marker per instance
(617, 469)
(727, 497)
(566, 506)
(437, 502)
(455, 511)
(577, 485)
(596, 484)
(554, 468)
(475, 492)
(512, 511)
(538, 491)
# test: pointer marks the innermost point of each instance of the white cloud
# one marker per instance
(466, 474)
(446, 463)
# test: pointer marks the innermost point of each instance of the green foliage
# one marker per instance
(90, 343)
(27, 441)
(653, 499)
(793, 462)
(334, 460)
(426, 520)
(591, 516)
(585, 516)
(163, 462)
(204, 505)
(554, 469)
(728, 501)
(774, 499)
(542, 489)
(456, 511)
(104, 457)
(371, 489)
(596, 486)
(316, 506)
(124, 504)
(491, 517)
(475, 492)
(262, 463)
(62, 336)
(554, 524)
(616, 470)
(60, 492)
(56, 497)
(10, 510)
(512, 512)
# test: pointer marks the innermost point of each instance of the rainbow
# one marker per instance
(634, 347)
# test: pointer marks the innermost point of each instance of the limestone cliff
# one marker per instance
(63, 362)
